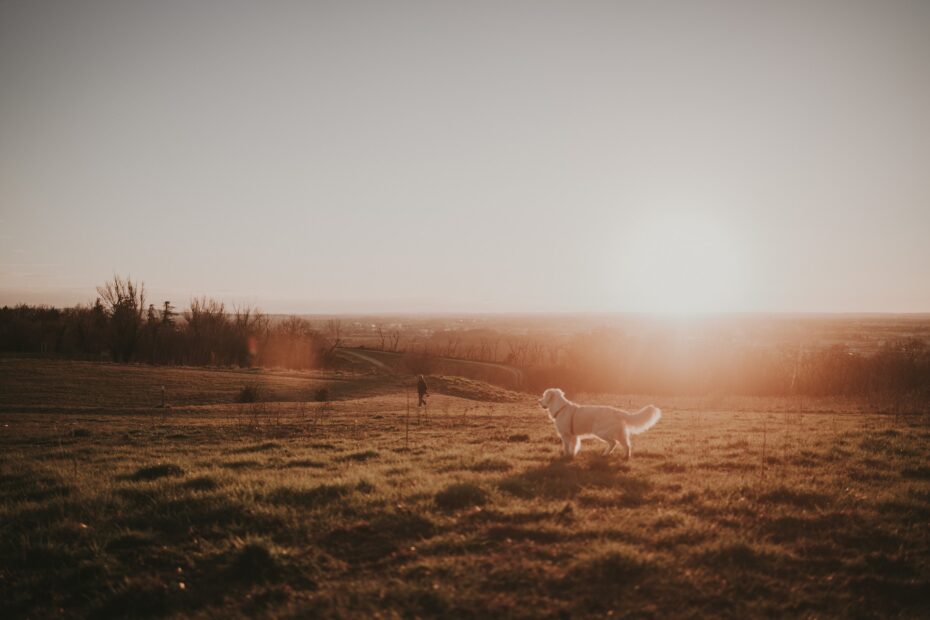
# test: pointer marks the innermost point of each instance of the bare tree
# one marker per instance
(168, 314)
(554, 351)
(294, 327)
(152, 325)
(519, 350)
(536, 352)
(333, 339)
(452, 345)
(207, 329)
(124, 302)
(248, 323)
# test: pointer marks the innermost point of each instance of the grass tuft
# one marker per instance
(794, 497)
(309, 498)
(916, 473)
(366, 455)
(138, 597)
(154, 472)
(365, 487)
(241, 464)
(131, 541)
(491, 465)
(201, 483)
(461, 495)
(373, 541)
(254, 563)
(736, 554)
(617, 568)
(309, 463)
(262, 447)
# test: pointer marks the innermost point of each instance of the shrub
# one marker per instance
(251, 393)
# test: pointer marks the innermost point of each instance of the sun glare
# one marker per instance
(682, 263)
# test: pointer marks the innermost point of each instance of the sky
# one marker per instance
(655, 156)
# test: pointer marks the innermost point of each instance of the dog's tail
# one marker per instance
(643, 420)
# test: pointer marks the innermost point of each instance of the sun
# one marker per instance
(681, 263)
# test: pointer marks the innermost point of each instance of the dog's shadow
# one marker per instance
(563, 479)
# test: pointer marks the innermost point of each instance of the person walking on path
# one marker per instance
(422, 391)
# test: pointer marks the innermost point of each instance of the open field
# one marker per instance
(111, 507)
(47, 385)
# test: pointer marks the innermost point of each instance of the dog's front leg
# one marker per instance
(566, 446)
(576, 445)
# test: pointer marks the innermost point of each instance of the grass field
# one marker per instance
(110, 507)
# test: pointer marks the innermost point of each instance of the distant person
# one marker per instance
(422, 391)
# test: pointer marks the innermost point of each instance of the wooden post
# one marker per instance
(407, 422)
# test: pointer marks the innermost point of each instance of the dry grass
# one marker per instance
(210, 510)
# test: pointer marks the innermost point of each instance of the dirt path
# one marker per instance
(351, 353)
(371, 357)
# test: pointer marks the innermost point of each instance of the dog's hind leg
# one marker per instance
(628, 445)
(611, 447)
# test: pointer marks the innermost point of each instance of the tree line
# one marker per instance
(613, 361)
(119, 326)
(608, 361)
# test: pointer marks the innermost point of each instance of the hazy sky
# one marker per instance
(469, 156)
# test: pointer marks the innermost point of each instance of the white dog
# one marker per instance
(611, 425)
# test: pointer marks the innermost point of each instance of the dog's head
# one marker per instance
(552, 397)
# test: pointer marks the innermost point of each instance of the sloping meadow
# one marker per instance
(468, 512)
